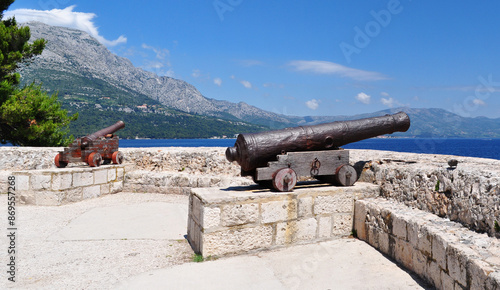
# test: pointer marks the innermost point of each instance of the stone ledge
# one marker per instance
(442, 252)
(65, 185)
(177, 182)
(244, 219)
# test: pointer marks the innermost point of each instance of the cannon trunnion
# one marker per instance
(93, 149)
(281, 156)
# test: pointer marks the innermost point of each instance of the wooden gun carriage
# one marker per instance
(281, 156)
(93, 149)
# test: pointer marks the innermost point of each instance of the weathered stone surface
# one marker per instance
(211, 217)
(282, 210)
(240, 214)
(237, 241)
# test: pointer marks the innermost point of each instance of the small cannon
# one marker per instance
(93, 149)
(281, 156)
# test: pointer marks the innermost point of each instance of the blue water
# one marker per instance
(485, 148)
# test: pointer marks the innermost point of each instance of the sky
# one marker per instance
(304, 58)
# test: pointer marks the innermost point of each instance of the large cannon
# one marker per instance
(282, 155)
(93, 149)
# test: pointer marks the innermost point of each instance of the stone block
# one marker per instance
(27, 197)
(419, 263)
(439, 247)
(337, 203)
(101, 176)
(275, 211)
(116, 186)
(360, 213)
(73, 195)
(47, 197)
(383, 242)
(237, 241)
(399, 227)
(22, 182)
(195, 209)
(83, 178)
(457, 265)
(212, 217)
(493, 281)
(433, 274)
(61, 181)
(305, 206)
(105, 189)
(342, 224)
(478, 271)
(403, 253)
(325, 227)
(447, 283)
(194, 233)
(239, 214)
(294, 231)
(120, 173)
(419, 237)
(41, 181)
(112, 174)
(91, 191)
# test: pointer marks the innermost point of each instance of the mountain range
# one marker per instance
(94, 82)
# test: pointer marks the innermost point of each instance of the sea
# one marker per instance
(484, 148)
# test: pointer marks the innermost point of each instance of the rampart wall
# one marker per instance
(468, 194)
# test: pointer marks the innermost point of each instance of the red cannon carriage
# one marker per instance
(93, 149)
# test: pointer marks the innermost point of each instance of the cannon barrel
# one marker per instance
(257, 149)
(103, 132)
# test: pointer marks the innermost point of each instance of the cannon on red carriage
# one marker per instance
(93, 149)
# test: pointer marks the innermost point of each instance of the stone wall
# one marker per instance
(228, 221)
(442, 252)
(468, 194)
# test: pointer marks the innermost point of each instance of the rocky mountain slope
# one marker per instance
(93, 81)
(78, 54)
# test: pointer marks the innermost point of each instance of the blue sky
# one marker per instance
(305, 57)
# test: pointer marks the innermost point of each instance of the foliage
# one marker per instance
(28, 116)
(22, 113)
(157, 126)
(197, 258)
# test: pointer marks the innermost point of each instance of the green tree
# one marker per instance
(28, 115)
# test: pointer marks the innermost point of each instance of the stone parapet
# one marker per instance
(440, 251)
(243, 219)
(468, 193)
(65, 185)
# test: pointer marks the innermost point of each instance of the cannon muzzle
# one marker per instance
(256, 150)
(103, 132)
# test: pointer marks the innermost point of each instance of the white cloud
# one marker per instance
(363, 98)
(479, 102)
(384, 94)
(326, 67)
(218, 81)
(246, 84)
(161, 61)
(312, 104)
(388, 102)
(196, 73)
(67, 18)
